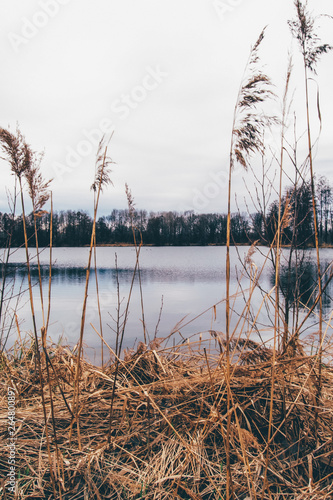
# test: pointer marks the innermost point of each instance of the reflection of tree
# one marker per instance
(77, 275)
(299, 285)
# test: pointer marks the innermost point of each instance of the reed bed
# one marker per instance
(169, 425)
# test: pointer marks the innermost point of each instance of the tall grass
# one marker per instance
(102, 179)
(7, 291)
(23, 165)
(311, 47)
(247, 129)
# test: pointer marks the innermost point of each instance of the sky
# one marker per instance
(164, 76)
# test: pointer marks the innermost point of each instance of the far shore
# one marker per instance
(151, 245)
(101, 245)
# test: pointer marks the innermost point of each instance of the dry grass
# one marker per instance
(169, 426)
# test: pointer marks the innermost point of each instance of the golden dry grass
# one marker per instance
(169, 426)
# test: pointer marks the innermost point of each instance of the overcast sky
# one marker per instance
(164, 74)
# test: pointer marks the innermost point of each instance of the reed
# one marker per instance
(102, 179)
(247, 129)
(311, 47)
(5, 294)
(21, 159)
(121, 327)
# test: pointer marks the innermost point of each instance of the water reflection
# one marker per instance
(299, 284)
(77, 275)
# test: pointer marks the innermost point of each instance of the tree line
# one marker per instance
(73, 228)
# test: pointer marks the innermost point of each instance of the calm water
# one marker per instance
(190, 280)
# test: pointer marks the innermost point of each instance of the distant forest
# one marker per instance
(73, 228)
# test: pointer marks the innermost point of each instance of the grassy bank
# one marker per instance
(168, 425)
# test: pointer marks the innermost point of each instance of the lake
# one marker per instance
(188, 280)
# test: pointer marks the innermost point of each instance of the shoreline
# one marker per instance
(151, 245)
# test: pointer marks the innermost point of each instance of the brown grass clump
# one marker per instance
(169, 426)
